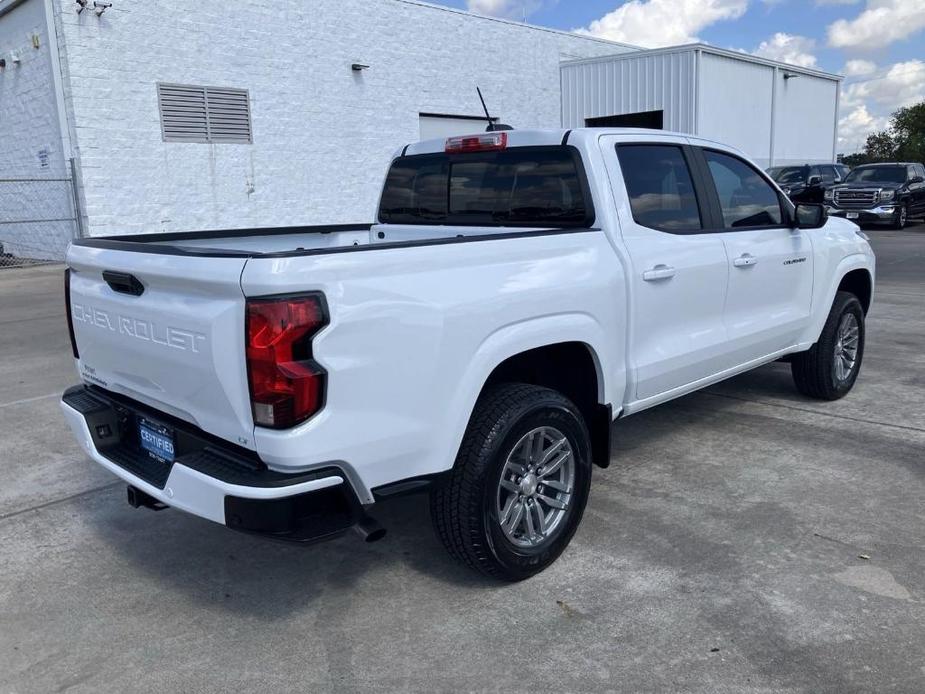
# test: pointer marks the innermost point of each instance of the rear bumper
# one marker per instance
(209, 478)
(881, 214)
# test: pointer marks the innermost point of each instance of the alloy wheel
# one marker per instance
(536, 487)
(846, 347)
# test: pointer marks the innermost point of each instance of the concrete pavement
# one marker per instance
(721, 552)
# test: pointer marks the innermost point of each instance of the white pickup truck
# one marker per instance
(519, 292)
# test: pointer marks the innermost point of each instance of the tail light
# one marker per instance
(287, 386)
(485, 142)
(67, 308)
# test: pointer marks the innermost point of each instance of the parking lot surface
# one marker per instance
(745, 539)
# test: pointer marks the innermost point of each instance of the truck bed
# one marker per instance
(160, 318)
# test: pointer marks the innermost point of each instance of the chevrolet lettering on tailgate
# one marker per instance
(140, 329)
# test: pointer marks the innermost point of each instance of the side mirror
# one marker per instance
(809, 216)
(814, 181)
(917, 179)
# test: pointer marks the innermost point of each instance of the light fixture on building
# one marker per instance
(101, 7)
(2, 63)
(82, 5)
(359, 67)
(14, 58)
(790, 75)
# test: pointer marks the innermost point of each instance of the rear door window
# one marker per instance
(745, 196)
(661, 192)
(522, 186)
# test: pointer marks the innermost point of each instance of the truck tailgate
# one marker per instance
(166, 330)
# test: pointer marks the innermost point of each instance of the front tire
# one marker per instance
(520, 483)
(829, 369)
(902, 216)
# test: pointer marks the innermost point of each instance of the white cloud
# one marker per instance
(788, 48)
(854, 128)
(868, 102)
(859, 68)
(509, 9)
(656, 23)
(882, 22)
(903, 84)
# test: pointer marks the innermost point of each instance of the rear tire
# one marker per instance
(829, 369)
(526, 454)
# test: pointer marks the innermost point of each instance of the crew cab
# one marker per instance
(880, 194)
(519, 292)
(807, 183)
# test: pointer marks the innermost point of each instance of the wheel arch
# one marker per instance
(504, 351)
(570, 368)
(860, 283)
(853, 273)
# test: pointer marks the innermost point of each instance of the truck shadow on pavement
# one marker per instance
(206, 563)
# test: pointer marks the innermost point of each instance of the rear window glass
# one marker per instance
(524, 186)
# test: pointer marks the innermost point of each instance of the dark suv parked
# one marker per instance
(880, 193)
(808, 182)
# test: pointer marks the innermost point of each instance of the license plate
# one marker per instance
(852, 215)
(157, 440)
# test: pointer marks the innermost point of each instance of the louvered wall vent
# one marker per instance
(204, 114)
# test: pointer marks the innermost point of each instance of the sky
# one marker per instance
(878, 45)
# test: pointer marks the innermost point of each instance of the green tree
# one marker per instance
(852, 160)
(908, 129)
(880, 147)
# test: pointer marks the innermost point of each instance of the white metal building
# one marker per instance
(213, 114)
(778, 114)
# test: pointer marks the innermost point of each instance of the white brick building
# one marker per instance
(320, 133)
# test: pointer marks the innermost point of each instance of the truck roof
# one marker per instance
(540, 137)
(558, 136)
